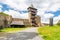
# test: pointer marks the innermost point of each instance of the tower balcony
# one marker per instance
(32, 16)
(35, 25)
(33, 20)
(32, 10)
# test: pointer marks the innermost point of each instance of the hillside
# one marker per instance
(1, 13)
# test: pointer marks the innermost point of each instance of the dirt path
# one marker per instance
(27, 34)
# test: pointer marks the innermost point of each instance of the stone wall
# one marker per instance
(9, 20)
(5, 20)
(2, 18)
(25, 21)
(38, 21)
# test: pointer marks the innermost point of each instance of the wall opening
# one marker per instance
(17, 26)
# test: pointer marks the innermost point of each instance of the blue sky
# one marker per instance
(6, 7)
(57, 13)
(18, 8)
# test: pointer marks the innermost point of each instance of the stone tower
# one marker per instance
(51, 21)
(32, 15)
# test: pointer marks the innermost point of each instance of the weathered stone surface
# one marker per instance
(34, 19)
(51, 21)
(24, 21)
(5, 20)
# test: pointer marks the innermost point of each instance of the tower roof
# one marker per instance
(32, 7)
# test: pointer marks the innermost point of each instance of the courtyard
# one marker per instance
(26, 34)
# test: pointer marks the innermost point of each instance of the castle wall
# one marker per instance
(38, 20)
(5, 20)
(25, 21)
(2, 18)
(9, 20)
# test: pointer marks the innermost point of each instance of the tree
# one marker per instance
(58, 23)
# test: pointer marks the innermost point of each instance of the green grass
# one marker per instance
(50, 33)
(4, 14)
(11, 30)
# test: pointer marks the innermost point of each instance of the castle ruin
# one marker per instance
(34, 20)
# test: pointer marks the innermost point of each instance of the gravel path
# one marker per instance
(27, 34)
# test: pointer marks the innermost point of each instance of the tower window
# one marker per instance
(33, 18)
(33, 14)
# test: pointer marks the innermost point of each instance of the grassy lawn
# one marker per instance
(50, 33)
(12, 30)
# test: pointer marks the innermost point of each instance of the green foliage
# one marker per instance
(58, 23)
(50, 33)
(12, 30)
(3, 14)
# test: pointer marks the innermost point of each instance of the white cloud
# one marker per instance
(0, 8)
(23, 4)
(41, 5)
(56, 19)
(54, 7)
(46, 18)
(16, 14)
(16, 4)
(46, 5)
(48, 15)
(40, 13)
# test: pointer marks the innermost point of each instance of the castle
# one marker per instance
(34, 20)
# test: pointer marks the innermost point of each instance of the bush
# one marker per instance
(4, 14)
(58, 23)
